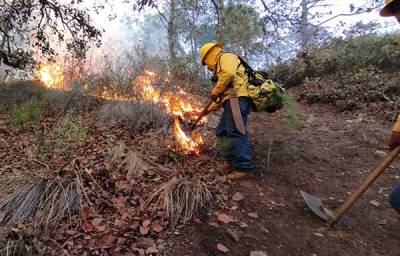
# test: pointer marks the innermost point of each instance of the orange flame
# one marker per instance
(188, 145)
(51, 75)
(178, 103)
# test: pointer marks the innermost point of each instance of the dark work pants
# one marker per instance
(395, 198)
(240, 155)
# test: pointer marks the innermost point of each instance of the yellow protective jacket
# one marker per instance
(226, 66)
(396, 127)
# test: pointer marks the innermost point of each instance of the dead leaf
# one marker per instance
(258, 253)
(224, 218)
(101, 228)
(96, 221)
(253, 215)
(108, 240)
(233, 234)
(156, 227)
(237, 197)
(151, 250)
(243, 225)
(119, 223)
(71, 232)
(87, 227)
(222, 179)
(222, 248)
(119, 202)
(197, 221)
(138, 250)
(146, 223)
(85, 212)
(143, 230)
(234, 208)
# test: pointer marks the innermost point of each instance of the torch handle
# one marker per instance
(202, 114)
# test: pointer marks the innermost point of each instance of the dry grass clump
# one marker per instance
(17, 92)
(182, 198)
(41, 200)
(13, 248)
(139, 116)
(135, 165)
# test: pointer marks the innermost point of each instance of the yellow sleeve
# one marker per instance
(228, 64)
(396, 127)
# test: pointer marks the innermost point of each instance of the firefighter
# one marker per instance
(230, 93)
(392, 8)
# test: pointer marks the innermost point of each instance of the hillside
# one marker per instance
(107, 186)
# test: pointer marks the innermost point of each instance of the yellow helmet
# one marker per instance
(206, 48)
(388, 10)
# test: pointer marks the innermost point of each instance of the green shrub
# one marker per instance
(225, 144)
(292, 120)
(290, 73)
(342, 55)
(25, 113)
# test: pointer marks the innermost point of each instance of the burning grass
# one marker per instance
(182, 198)
(39, 200)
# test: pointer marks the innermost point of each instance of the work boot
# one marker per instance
(236, 175)
(224, 168)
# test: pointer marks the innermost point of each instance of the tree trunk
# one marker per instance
(171, 31)
(218, 7)
(303, 27)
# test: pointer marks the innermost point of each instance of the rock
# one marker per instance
(380, 153)
(258, 253)
(224, 218)
(237, 197)
(253, 215)
(222, 248)
(319, 234)
(375, 203)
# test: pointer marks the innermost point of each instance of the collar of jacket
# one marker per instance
(212, 59)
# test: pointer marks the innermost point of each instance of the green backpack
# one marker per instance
(266, 94)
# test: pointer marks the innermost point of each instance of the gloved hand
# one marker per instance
(213, 96)
(214, 107)
(394, 140)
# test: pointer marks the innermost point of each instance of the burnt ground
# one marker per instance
(327, 155)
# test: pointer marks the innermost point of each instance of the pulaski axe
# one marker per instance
(332, 217)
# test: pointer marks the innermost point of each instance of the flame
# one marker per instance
(178, 103)
(188, 145)
(50, 74)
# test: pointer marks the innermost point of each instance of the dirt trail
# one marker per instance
(327, 156)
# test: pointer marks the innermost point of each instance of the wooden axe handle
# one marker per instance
(379, 169)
